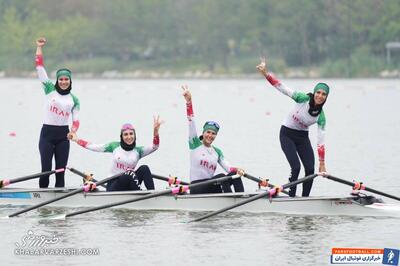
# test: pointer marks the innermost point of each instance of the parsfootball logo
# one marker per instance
(390, 256)
(382, 256)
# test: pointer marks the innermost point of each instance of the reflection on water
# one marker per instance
(131, 218)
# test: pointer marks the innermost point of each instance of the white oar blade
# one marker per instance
(385, 207)
(56, 217)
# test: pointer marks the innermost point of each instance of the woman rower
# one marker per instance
(204, 157)
(126, 156)
(294, 138)
(60, 105)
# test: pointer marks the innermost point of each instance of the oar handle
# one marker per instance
(82, 174)
(181, 189)
(170, 180)
(259, 181)
(343, 181)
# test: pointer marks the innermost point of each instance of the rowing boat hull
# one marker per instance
(206, 202)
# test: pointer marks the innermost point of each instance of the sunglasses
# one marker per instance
(212, 123)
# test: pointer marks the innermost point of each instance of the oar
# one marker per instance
(6, 182)
(337, 179)
(174, 190)
(73, 192)
(170, 180)
(270, 192)
(260, 181)
(85, 176)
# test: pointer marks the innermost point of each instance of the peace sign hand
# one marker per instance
(186, 93)
(262, 67)
(157, 122)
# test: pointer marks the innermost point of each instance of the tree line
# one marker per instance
(336, 38)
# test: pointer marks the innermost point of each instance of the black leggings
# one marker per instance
(132, 180)
(53, 141)
(295, 144)
(218, 188)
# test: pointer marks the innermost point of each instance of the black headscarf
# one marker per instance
(314, 109)
(64, 72)
(61, 91)
(125, 146)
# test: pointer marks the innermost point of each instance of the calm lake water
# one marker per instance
(363, 125)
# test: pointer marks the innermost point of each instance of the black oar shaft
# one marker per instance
(253, 178)
(28, 177)
(46, 202)
(82, 174)
(167, 179)
(75, 171)
(152, 195)
(76, 191)
(264, 194)
(253, 198)
(337, 179)
(382, 193)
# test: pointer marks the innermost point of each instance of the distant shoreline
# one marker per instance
(113, 74)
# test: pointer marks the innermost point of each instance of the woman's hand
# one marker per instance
(72, 136)
(240, 172)
(186, 93)
(262, 67)
(322, 168)
(156, 124)
(41, 42)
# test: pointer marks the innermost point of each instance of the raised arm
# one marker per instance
(41, 71)
(297, 96)
(144, 151)
(321, 141)
(194, 140)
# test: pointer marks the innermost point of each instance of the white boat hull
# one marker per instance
(205, 202)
